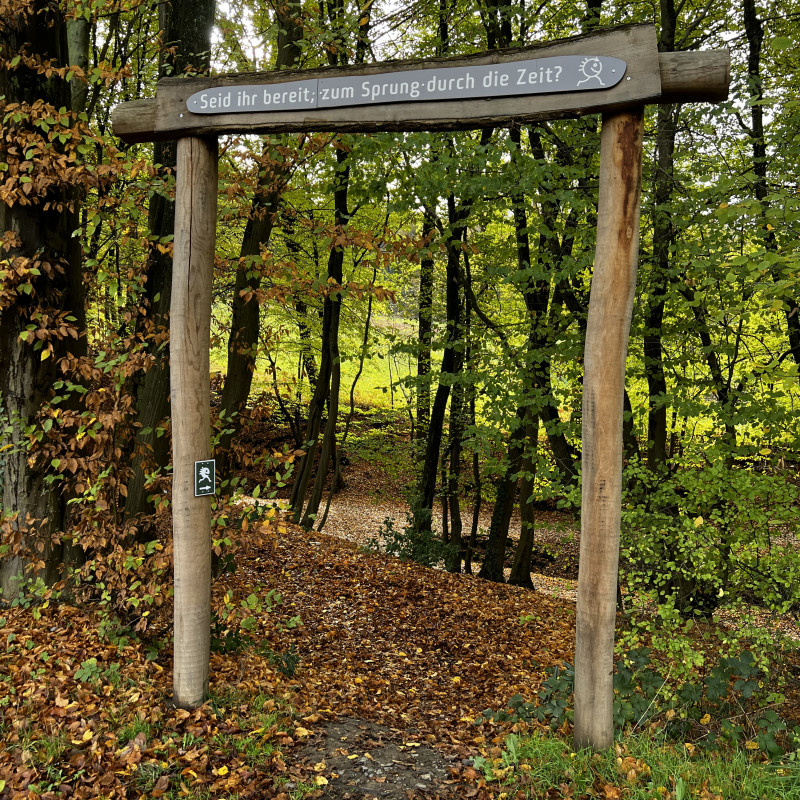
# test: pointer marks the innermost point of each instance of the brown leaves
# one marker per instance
(114, 733)
(417, 649)
(380, 624)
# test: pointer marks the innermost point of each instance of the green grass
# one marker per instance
(374, 387)
(640, 767)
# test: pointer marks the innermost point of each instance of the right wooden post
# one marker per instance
(608, 326)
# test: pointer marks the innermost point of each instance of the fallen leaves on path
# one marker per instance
(396, 642)
(417, 650)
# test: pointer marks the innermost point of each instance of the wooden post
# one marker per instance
(608, 326)
(190, 327)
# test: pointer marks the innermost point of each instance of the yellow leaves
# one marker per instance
(87, 736)
(751, 745)
(302, 732)
(705, 719)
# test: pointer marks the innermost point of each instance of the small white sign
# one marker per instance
(205, 477)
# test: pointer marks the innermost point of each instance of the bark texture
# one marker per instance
(39, 238)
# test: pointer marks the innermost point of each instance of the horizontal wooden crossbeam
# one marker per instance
(649, 77)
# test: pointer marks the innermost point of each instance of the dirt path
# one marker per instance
(366, 760)
(358, 516)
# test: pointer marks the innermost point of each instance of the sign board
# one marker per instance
(578, 73)
(602, 71)
(205, 477)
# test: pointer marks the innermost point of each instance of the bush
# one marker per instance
(410, 544)
(704, 536)
(730, 704)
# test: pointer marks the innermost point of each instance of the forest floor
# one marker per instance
(374, 695)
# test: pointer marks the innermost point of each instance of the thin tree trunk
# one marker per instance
(425, 299)
(476, 479)
(245, 311)
(427, 485)
(456, 434)
(323, 392)
(754, 31)
(338, 483)
(659, 282)
(521, 568)
(494, 560)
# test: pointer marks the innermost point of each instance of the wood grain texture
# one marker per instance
(692, 77)
(608, 326)
(190, 330)
(635, 44)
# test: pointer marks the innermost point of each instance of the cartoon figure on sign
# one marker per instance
(205, 478)
(591, 68)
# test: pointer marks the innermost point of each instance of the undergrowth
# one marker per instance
(641, 766)
(733, 704)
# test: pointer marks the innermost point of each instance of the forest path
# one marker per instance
(418, 652)
(359, 514)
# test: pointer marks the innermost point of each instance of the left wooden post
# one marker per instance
(190, 329)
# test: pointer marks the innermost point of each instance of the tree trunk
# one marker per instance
(245, 311)
(328, 372)
(663, 239)
(455, 435)
(425, 299)
(521, 568)
(329, 440)
(476, 479)
(40, 244)
(494, 560)
(450, 365)
(755, 37)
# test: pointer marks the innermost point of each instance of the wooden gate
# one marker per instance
(614, 72)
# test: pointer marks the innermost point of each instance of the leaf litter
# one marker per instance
(404, 655)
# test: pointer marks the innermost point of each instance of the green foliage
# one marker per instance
(33, 593)
(707, 535)
(89, 671)
(410, 544)
(238, 628)
(730, 705)
(286, 662)
(640, 766)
